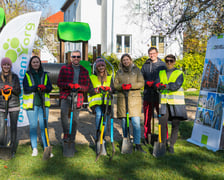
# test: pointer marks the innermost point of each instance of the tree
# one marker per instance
(169, 16)
(14, 8)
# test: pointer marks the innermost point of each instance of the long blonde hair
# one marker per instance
(9, 77)
(102, 78)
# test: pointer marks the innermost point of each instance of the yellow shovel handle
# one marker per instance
(47, 138)
(101, 135)
(160, 140)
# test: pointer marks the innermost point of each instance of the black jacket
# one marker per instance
(150, 72)
(14, 98)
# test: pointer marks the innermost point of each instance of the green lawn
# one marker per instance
(188, 162)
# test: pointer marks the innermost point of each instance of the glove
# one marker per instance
(74, 86)
(107, 88)
(7, 88)
(41, 87)
(150, 83)
(126, 86)
(161, 86)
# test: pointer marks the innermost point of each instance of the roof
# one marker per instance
(66, 5)
(56, 18)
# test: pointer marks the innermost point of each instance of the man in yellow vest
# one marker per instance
(172, 99)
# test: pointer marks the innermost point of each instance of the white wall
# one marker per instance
(98, 14)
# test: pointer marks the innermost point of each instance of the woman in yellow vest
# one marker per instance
(95, 99)
(172, 99)
(36, 80)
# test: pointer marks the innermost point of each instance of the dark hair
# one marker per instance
(170, 56)
(124, 55)
(152, 48)
(30, 66)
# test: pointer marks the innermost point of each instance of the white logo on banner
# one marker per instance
(16, 42)
(208, 124)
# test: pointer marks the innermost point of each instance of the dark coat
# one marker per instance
(14, 99)
(150, 72)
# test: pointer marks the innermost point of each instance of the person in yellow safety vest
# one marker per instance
(172, 101)
(95, 94)
(34, 80)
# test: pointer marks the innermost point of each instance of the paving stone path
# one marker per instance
(86, 128)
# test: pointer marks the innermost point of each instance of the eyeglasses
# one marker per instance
(169, 60)
(76, 56)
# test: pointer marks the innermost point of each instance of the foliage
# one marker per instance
(140, 61)
(170, 16)
(192, 66)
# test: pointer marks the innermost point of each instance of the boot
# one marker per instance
(171, 149)
(138, 147)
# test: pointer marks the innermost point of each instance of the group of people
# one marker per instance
(162, 84)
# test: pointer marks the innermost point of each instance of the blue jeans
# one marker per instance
(98, 110)
(136, 128)
(33, 120)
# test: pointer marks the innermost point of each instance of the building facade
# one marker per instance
(112, 26)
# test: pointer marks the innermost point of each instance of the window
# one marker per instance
(158, 42)
(123, 44)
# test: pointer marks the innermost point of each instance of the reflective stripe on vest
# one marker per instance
(171, 97)
(29, 98)
(97, 98)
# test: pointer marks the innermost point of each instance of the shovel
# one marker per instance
(48, 149)
(126, 143)
(112, 128)
(159, 148)
(6, 151)
(100, 146)
(152, 137)
(69, 147)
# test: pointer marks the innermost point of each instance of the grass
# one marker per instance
(188, 162)
(192, 93)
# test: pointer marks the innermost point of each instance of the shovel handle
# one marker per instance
(101, 135)
(6, 96)
(112, 130)
(47, 138)
(160, 140)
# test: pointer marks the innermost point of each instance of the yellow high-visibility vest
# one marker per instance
(171, 97)
(29, 98)
(97, 98)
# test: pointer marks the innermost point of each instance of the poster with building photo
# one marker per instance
(208, 124)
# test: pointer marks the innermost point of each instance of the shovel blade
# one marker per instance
(104, 151)
(154, 138)
(5, 152)
(159, 149)
(68, 149)
(47, 152)
(126, 147)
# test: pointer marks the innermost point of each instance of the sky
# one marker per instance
(54, 5)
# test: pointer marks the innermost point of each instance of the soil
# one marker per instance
(86, 128)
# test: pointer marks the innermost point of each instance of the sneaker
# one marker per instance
(35, 152)
(138, 147)
(52, 155)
